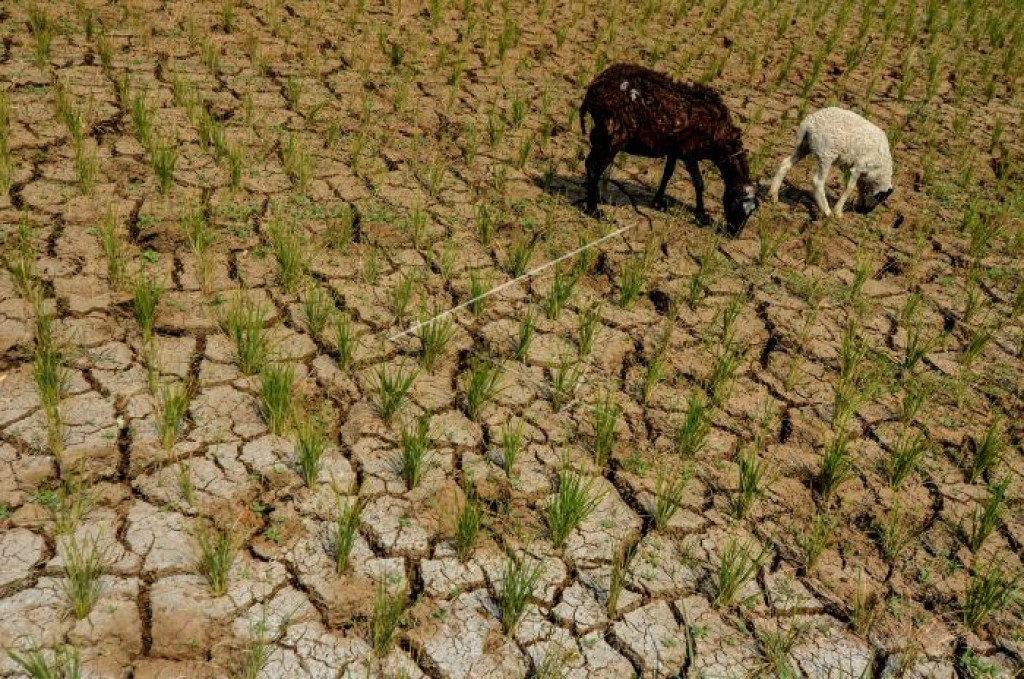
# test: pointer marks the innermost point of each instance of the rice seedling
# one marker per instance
(340, 228)
(519, 254)
(467, 523)
(918, 346)
(372, 264)
(518, 581)
(434, 336)
(527, 329)
(388, 610)
(751, 482)
(146, 293)
(277, 382)
(298, 163)
(65, 664)
(722, 371)
(344, 339)
(669, 491)
(991, 590)
(737, 567)
(587, 324)
(480, 385)
(572, 503)
(914, 396)
(905, 457)
(69, 502)
(311, 436)
(622, 564)
(985, 519)
(605, 414)
(692, 430)
(52, 380)
(633, 278)
(416, 457)
(976, 343)
(218, 548)
(344, 530)
(172, 407)
(818, 536)
(260, 648)
(317, 309)
(183, 475)
(485, 223)
(836, 466)
(163, 156)
(776, 647)
(401, 295)
(510, 440)
(391, 388)
(988, 452)
(243, 322)
(113, 251)
(289, 248)
(707, 266)
(293, 89)
(564, 379)
(895, 533)
(563, 285)
(43, 27)
(479, 283)
(83, 568)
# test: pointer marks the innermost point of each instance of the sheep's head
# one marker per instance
(739, 205)
(875, 187)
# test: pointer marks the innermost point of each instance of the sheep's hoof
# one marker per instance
(659, 203)
(703, 218)
(595, 213)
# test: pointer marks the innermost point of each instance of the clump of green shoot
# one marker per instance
(991, 590)
(113, 250)
(388, 610)
(737, 567)
(895, 533)
(391, 388)
(344, 531)
(344, 339)
(317, 309)
(622, 565)
(605, 415)
(311, 436)
(906, 457)
(510, 440)
(468, 519)
(479, 283)
(218, 548)
(244, 321)
(277, 382)
(481, 386)
(66, 662)
(146, 293)
(836, 466)
(401, 295)
(587, 324)
(564, 379)
(816, 539)
(434, 335)
(83, 568)
(752, 474)
(986, 518)
(518, 581)
(163, 156)
(172, 407)
(570, 506)
(289, 248)
(633, 278)
(669, 491)
(416, 457)
(692, 430)
(43, 28)
(527, 329)
(988, 451)
(563, 284)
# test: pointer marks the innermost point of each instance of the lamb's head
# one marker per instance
(740, 202)
(875, 186)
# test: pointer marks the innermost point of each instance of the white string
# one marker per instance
(529, 274)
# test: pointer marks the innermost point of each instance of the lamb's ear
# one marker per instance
(750, 204)
(881, 196)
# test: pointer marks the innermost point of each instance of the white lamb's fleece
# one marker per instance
(837, 135)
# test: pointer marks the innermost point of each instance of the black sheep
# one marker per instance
(646, 113)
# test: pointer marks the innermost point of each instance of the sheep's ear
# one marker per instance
(749, 205)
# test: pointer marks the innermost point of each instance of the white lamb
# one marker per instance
(837, 135)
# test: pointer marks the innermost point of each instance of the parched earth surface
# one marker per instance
(396, 159)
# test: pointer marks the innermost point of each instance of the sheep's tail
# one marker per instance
(584, 109)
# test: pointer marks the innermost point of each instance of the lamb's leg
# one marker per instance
(784, 169)
(659, 198)
(601, 156)
(819, 179)
(850, 186)
(698, 186)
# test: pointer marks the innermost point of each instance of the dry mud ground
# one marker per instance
(288, 149)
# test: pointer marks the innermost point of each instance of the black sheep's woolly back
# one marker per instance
(656, 111)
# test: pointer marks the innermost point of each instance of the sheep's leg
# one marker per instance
(659, 198)
(784, 169)
(698, 186)
(850, 186)
(601, 156)
(819, 179)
